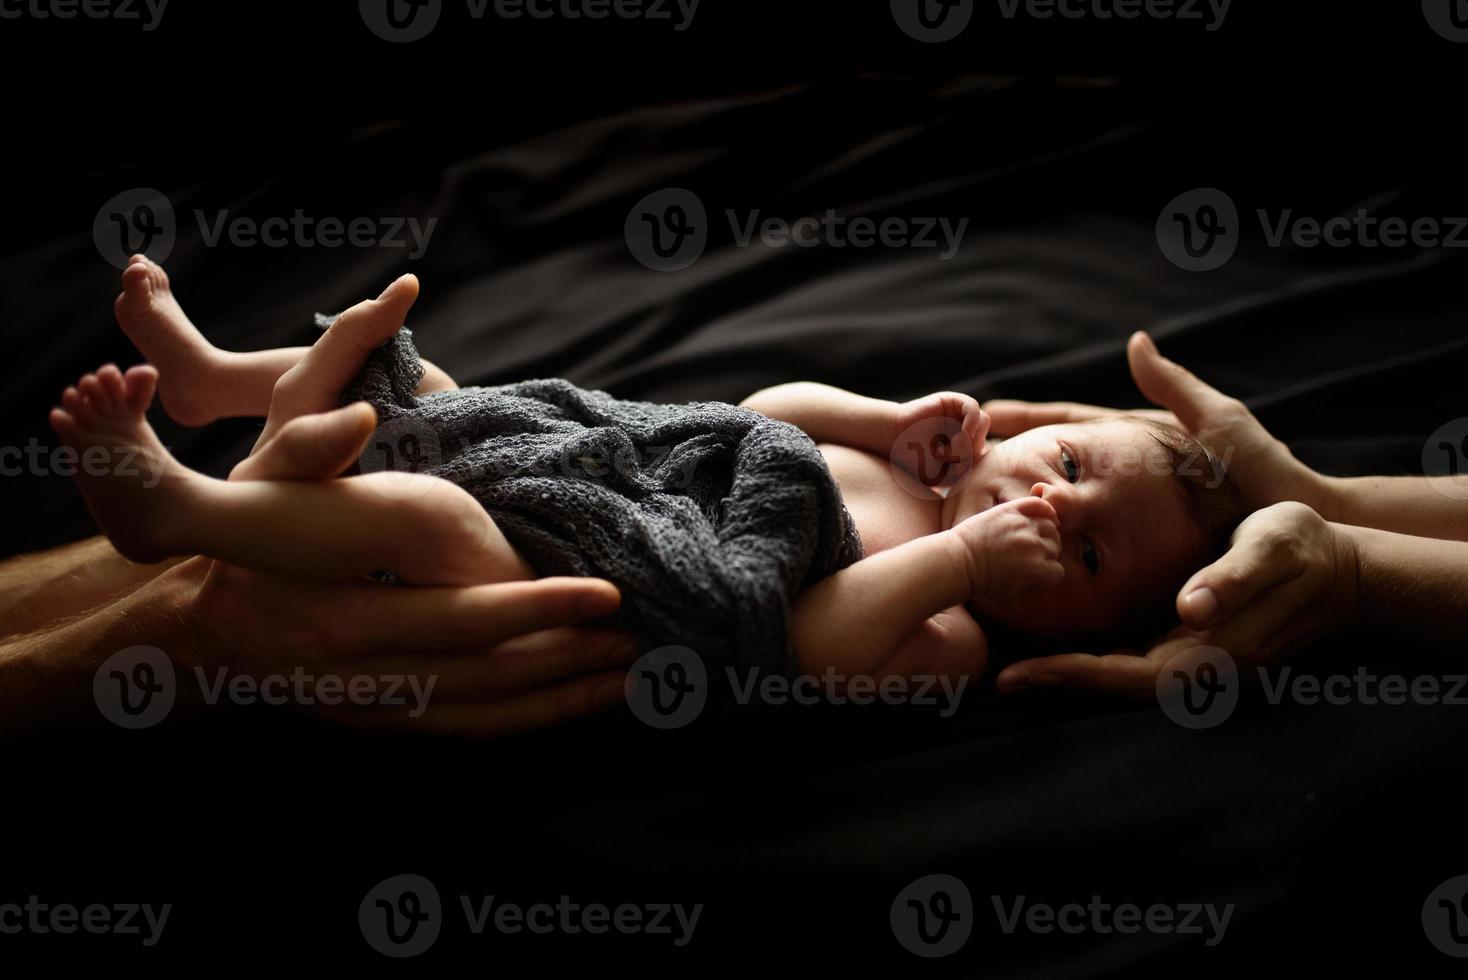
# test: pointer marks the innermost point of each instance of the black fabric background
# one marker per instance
(1327, 826)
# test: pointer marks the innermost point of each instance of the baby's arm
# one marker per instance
(944, 427)
(829, 414)
(857, 620)
(900, 610)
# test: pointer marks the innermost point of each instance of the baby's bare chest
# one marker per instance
(888, 511)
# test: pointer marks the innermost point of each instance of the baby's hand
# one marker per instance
(1012, 547)
(936, 438)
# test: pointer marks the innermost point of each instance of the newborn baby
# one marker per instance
(1066, 531)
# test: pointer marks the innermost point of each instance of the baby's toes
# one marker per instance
(71, 400)
(82, 407)
(63, 423)
(141, 381)
(95, 394)
(112, 385)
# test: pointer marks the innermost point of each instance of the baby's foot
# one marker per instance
(133, 485)
(154, 321)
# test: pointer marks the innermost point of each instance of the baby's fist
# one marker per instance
(1012, 547)
(936, 438)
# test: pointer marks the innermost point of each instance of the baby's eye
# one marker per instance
(1090, 557)
(1067, 463)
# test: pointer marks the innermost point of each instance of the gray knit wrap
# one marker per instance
(710, 518)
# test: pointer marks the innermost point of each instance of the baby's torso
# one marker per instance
(889, 509)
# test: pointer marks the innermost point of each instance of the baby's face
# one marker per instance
(1125, 531)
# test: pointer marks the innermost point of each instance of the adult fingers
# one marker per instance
(375, 621)
(317, 446)
(338, 355)
(512, 668)
(539, 708)
(1010, 417)
(1273, 622)
(1121, 672)
(1258, 559)
(1167, 383)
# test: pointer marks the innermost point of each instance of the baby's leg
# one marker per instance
(427, 530)
(200, 383)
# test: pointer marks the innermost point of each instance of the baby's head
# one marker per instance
(1141, 507)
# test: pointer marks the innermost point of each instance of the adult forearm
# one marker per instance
(46, 674)
(859, 617)
(1411, 584)
(41, 588)
(1434, 507)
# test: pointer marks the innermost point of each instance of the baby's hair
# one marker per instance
(1212, 501)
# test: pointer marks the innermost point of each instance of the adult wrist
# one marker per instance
(1327, 496)
(1353, 574)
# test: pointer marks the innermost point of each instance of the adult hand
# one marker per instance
(1264, 470)
(503, 658)
(1288, 576)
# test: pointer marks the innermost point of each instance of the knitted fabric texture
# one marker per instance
(710, 518)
